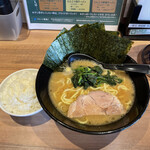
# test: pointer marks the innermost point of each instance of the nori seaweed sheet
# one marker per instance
(104, 46)
(53, 56)
(61, 32)
(61, 42)
(49, 62)
(91, 39)
(94, 25)
(67, 43)
(59, 52)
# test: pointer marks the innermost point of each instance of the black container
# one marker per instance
(146, 55)
(140, 104)
(5, 7)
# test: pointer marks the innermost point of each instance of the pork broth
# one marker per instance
(63, 93)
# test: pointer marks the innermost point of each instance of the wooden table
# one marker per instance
(40, 132)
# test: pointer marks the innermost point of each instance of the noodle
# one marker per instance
(63, 107)
(61, 81)
(112, 72)
(72, 98)
(104, 87)
(82, 122)
(82, 92)
(63, 93)
(69, 81)
(122, 87)
(97, 88)
(63, 84)
(66, 100)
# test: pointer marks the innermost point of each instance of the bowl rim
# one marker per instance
(1, 85)
(96, 132)
(143, 53)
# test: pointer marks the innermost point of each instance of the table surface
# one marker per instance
(40, 132)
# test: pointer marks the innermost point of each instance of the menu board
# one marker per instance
(56, 14)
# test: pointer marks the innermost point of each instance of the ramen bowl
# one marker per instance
(135, 113)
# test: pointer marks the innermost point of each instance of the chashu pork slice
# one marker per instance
(95, 103)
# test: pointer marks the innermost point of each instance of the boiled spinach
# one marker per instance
(92, 76)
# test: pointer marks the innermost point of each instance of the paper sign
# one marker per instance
(57, 14)
(100, 6)
(47, 5)
(78, 5)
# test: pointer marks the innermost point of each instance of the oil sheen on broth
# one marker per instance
(63, 93)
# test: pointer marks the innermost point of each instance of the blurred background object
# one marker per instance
(14, 3)
(5, 7)
(10, 20)
(146, 55)
(135, 23)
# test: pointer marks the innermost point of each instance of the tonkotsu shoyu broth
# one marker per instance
(63, 94)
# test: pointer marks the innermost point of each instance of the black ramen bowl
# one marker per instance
(140, 104)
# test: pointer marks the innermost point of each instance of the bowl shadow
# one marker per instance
(35, 120)
(86, 141)
(60, 137)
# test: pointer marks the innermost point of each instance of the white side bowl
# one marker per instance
(4, 84)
